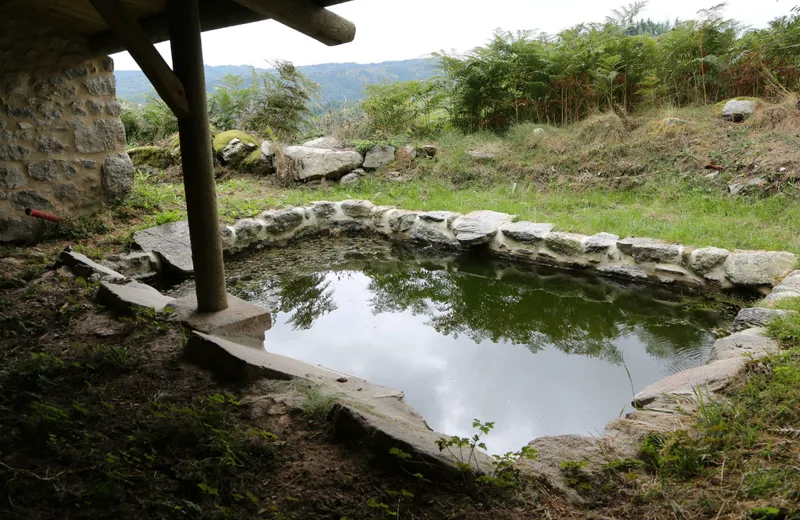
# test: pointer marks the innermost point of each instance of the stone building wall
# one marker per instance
(62, 143)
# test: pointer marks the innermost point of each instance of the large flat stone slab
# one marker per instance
(171, 242)
(479, 227)
(752, 342)
(131, 296)
(757, 317)
(711, 377)
(84, 267)
(378, 417)
(240, 319)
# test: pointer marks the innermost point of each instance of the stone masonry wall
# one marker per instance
(62, 143)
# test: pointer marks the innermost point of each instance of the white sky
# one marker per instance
(397, 30)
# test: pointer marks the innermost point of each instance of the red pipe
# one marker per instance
(42, 215)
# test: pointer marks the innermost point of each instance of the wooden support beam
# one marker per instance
(214, 14)
(307, 17)
(165, 81)
(196, 154)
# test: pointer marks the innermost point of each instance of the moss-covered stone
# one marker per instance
(257, 163)
(153, 156)
(716, 110)
(223, 139)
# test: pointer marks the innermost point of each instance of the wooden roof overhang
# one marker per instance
(108, 26)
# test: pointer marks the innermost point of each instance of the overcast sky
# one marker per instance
(395, 30)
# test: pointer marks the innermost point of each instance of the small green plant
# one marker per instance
(317, 403)
(363, 145)
(503, 472)
(576, 475)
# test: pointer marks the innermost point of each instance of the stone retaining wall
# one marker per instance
(638, 259)
(62, 144)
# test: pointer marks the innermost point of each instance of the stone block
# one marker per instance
(171, 243)
(752, 342)
(568, 244)
(526, 232)
(13, 152)
(131, 296)
(646, 250)
(105, 135)
(51, 169)
(711, 377)
(357, 208)
(118, 173)
(241, 319)
(756, 317)
(30, 199)
(10, 177)
(479, 227)
(84, 267)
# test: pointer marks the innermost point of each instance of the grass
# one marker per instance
(632, 177)
(743, 446)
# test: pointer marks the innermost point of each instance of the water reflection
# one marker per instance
(538, 352)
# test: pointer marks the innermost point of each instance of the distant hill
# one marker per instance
(340, 81)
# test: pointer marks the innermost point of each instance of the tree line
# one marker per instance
(622, 64)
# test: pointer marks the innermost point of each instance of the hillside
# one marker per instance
(340, 81)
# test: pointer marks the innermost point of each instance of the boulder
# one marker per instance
(325, 143)
(738, 110)
(711, 377)
(790, 283)
(170, 242)
(236, 151)
(526, 232)
(350, 178)
(380, 155)
(315, 163)
(479, 227)
(153, 156)
(752, 342)
(757, 317)
(224, 139)
(756, 268)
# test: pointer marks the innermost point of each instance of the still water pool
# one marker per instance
(539, 352)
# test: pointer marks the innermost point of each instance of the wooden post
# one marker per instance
(198, 164)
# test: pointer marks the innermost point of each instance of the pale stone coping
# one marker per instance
(604, 253)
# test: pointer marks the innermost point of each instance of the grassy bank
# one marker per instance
(678, 212)
(631, 176)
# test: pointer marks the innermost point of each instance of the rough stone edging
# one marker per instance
(632, 258)
(659, 408)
